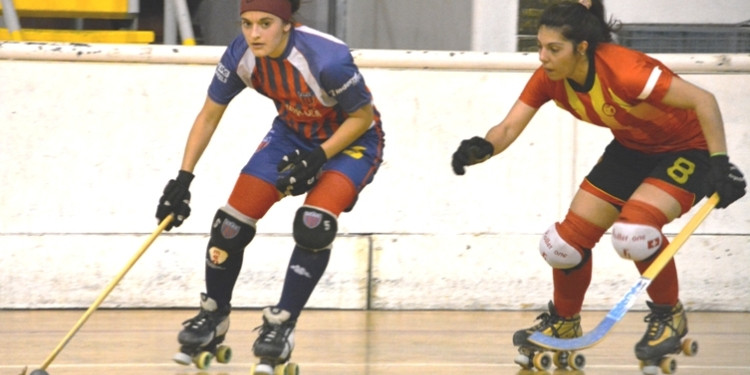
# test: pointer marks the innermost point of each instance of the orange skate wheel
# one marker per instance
(560, 359)
(576, 361)
(542, 361)
(668, 365)
(689, 347)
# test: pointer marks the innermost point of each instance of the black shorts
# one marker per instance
(621, 170)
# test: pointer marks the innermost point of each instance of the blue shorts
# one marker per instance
(359, 162)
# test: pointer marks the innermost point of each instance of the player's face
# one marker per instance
(266, 34)
(558, 55)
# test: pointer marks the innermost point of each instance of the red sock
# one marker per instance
(571, 285)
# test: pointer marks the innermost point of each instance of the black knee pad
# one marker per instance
(231, 232)
(314, 228)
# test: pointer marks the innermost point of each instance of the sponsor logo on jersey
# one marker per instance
(351, 82)
(222, 73)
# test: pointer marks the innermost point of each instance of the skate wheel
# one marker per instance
(560, 360)
(576, 361)
(203, 360)
(261, 369)
(288, 368)
(223, 354)
(649, 369)
(523, 361)
(542, 361)
(668, 365)
(182, 359)
(689, 347)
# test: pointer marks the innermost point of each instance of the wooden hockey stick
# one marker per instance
(616, 314)
(164, 223)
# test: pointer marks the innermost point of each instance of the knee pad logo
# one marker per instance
(312, 219)
(229, 229)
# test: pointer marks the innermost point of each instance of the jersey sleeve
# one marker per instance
(226, 83)
(645, 79)
(535, 94)
(346, 84)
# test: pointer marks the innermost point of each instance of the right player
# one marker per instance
(668, 152)
(326, 142)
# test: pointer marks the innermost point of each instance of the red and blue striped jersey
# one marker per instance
(314, 83)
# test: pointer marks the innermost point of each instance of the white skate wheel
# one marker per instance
(523, 361)
(650, 370)
(262, 369)
(182, 359)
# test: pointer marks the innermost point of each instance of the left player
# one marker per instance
(669, 151)
(327, 142)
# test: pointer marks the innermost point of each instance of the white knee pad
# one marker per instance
(636, 241)
(557, 252)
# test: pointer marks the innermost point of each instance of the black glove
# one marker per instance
(726, 180)
(299, 171)
(470, 152)
(175, 199)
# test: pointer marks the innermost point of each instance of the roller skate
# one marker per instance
(274, 344)
(667, 326)
(531, 356)
(202, 335)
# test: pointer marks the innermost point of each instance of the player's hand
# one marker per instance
(299, 171)
(470, 152)
(726, 180)
(175, 200)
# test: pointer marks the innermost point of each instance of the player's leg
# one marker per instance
(566, 246)
(232, 229)
(674, 186)
(314, 230)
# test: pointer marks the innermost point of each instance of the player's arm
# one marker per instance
(350, 130)
(498, 138)
(683, 94)
(503, 134)
(725, 178)
(203, 129)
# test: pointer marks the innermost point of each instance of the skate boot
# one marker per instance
(667, 325)
(200, 337)
(274, 344)
(550, 323)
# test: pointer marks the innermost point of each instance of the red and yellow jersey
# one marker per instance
(625, 96)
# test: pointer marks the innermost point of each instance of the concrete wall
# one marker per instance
(87, 147)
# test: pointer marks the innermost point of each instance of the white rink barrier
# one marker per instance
(91, 133)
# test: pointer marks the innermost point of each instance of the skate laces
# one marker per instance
(657, 321)
(203, 319)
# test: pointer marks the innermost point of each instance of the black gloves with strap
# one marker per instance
(470, 152)
(299, 171)
(726, 180)
(176, 200)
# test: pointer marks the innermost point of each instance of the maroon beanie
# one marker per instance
(279, 8)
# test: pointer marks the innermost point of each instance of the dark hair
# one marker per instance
(295, 5)
(578, 23)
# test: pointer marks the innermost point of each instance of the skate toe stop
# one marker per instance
(182, 359)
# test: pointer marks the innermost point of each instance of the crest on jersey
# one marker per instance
(312, 219)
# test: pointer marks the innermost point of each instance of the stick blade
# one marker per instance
(591, 338)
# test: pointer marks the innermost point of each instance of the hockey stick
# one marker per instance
(622, 307)
(42, 370)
